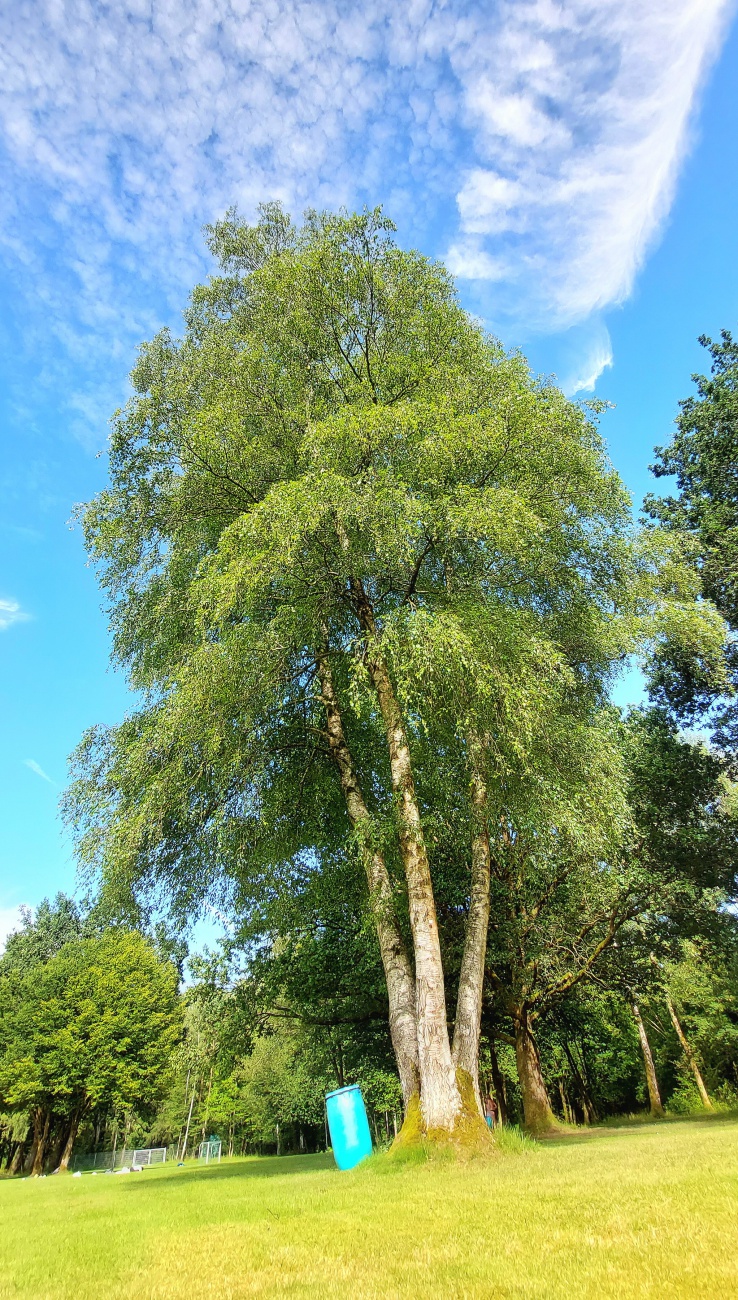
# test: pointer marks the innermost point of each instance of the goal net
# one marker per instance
(210, 1150)
(105, 1160)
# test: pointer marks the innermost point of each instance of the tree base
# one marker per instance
(469, 1138)
(547, 1126)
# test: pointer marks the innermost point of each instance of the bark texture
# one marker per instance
(654, 1096)
(17, 1162)
(537, 1109)
(465, 1048)
(41, 1125)
(565, 1106)
(440, 1097)
(691, 1058)
(397, 969)
(579, 1073)
(72, 1132)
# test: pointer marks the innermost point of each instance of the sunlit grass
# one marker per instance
(642, 1211)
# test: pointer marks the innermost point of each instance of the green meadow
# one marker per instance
(640, 1210)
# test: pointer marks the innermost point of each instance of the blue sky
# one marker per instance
(575, 163)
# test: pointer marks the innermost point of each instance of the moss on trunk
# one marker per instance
(468, 1138)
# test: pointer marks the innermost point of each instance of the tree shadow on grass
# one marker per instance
(250, 1167)
(632, 1124)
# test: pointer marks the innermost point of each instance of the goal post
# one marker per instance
(210, 1151)
(105, 1161)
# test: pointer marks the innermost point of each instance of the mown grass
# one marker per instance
(644, 1211)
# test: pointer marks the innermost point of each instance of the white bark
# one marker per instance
(654, 1095)
(691, 1058)
(397, 969)
(440, 1098)
(465, 1049)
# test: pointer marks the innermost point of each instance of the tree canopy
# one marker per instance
(93, 1026)
(373, 580)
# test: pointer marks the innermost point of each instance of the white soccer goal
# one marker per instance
(210, 1150)
(149, 1156)
(108, 1160)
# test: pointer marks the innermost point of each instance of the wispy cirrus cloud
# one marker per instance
(10, 613)
(537, 143)
(37, 769)
(582, 116)
(589, 357)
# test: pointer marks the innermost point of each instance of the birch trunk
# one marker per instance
(397, 969)
(537, 1111)
(691, 1058)
(440, 1098)
(465, 1049)
(187, 1126)
(654, 1095)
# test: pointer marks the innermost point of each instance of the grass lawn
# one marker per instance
(647, 1210)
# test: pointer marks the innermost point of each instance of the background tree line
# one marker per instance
(248, 1055)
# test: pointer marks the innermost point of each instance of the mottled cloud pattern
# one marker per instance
(535, 143)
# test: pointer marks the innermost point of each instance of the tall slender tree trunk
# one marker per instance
(537, 1111)
(61, 1142)
(41, 1125)
(691, 1058)
(207, 1106)
(498, 1083)
(440, 1098)
(565, 1107)
(16, 1163)
(36, 1122)
(73, 1130)
(654, 1096)
(187, 1125)
(465, 1047)
(397, 969)
(580, 1079)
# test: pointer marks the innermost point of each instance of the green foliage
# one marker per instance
(42, 934)
(702, 455)
(95, 1025)
(333, 416)
(335, 461)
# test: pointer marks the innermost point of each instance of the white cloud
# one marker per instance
(470, 262)
(36, 767)
(487, 202)
(593, 356)
(10, 613)
(10, 920)
(585, 110)
(540, 141)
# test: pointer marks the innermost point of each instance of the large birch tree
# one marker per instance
(344, 527)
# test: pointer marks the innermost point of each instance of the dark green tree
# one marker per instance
(577, 900)
(703, 457)
(93, 1026)
(42, 933)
